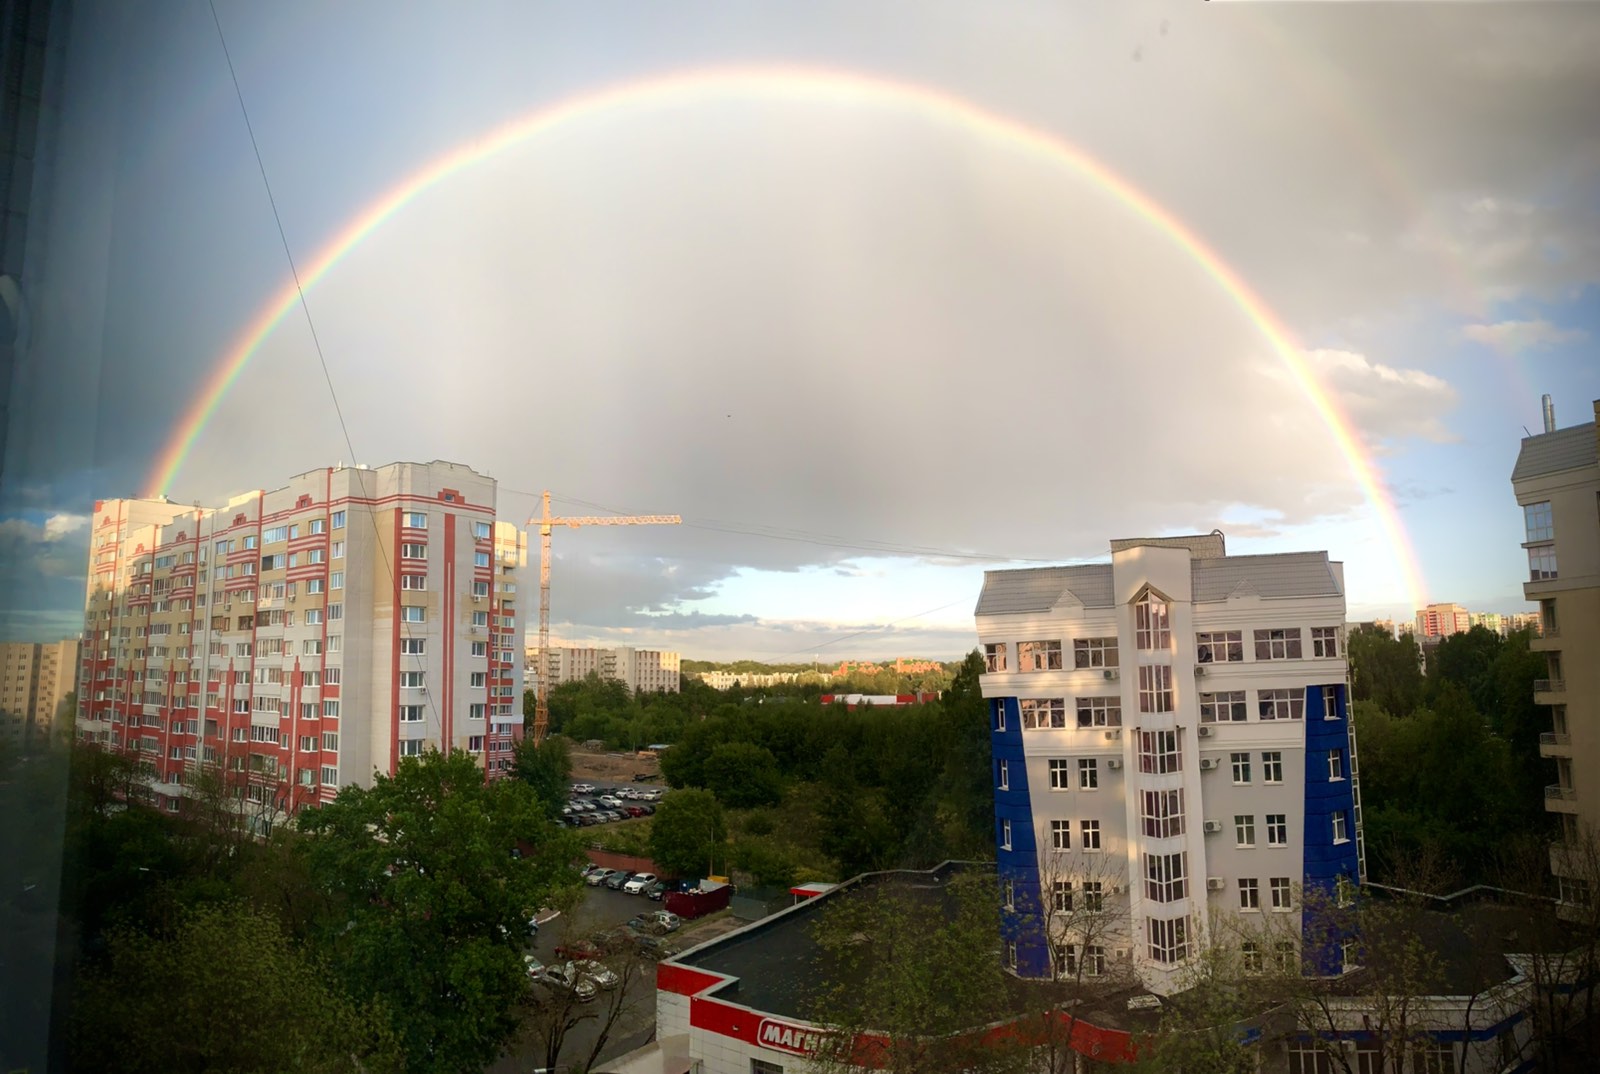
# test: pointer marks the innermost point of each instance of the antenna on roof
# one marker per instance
(1525, 431)
(1549, 409)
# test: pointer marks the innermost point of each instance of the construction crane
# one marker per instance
(547, 523)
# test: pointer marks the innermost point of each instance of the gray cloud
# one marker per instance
(1515, 337)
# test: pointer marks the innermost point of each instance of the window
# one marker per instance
(1162, 813)
(1155, 688)
(1038, 656)
(1324, 641)
(318, 525)
(294, 559)
(480, 559)
(1249, 893)
(480, 619)
(481, 648)
(1251, 952)
(414, 646)
(1099, 712)
(1433, 1057)
(1244, 829)
(273, 563)
(313, 617)
(1094, 653)
(1277, 829)
(1219, 647)
(1040, 713)
(335, 611)
(480, 590)
(480, 679)
(1310, 1058)
(994, 657)
(273, 535)
(1280, 893)
(1061, 835)
(1152, 626)
(1335, 765)
(480, 531)
(1241, 767)
(1227, 706)
(1002, 769)
(335, 644)
(1158, 752)
(410, 713)
(1281, 704)
(1005, 835)
(1094, 960)
(414, 582)
(1061, 896)
(1089, 830)
(314, 585)
(411, 680)
(294, 530)
(308, 743)
(475, 712)
(1094, 896)
(414, 520)
(330, 740)
(336, 551)
(1011, 954)
(1009, 894)
(1539, 521)
(315, 555)
(1272, 767)
(411, 747)
(413, 613)
(1340, 829)
(413, 551)
(1169, 940)
(1088, 774)
(1542, 563)
(1060, 774)
(1165, 877)
(1283, 954)
(1278, 644)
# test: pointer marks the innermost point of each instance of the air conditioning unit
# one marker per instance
(1109, 673)
(291, 598)
(1114, 763)
(472, 630)
(227, 607)
(1204, 732)
(1213, 826)
(1199, 670)
(1216, 883)
(1119, 889)
(1208, 763)
(1113, 733)
(1120, 954)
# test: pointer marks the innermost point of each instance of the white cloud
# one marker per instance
(60, 525)
(1515, 337)
(1386, 404)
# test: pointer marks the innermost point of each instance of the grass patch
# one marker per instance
(624, 837)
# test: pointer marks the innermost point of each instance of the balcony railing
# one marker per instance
(1556, 790)
(1554, 738)
(1549, 630)
(1549, 686)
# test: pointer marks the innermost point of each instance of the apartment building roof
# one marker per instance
(1039, 589)
(1204, 545)
(1551, 453)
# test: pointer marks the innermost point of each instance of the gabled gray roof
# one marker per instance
(1287, 574)
(1037, 589)
(1202, 545)
(1551, 453)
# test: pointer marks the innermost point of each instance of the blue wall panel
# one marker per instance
(1325, 860)
(1023, 925)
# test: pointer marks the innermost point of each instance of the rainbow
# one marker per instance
(811, 85)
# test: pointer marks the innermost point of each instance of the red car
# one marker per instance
(636, 811)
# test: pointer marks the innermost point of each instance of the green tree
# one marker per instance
(743, 775)
(1386, 670)
(227, 991)
(1468, 661)
(433, 875)
(688, 832)
(851, 824)
(917, 965)
(547, 768)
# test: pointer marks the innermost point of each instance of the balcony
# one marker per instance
(1548, 686)
(1555, 744)
(1559, 799)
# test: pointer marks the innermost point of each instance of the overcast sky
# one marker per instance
(866, 353)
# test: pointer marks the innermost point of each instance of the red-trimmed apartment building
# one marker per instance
(307, 637)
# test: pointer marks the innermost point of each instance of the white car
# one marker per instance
(611, 800)
(639, 882)
(597, 973)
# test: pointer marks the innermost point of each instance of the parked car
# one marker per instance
(643, 777)
(666, 920)
(597, 972)
(636, 883)
(589, 868)
(580, 951)
(635, 811)
(656, 890)
(649, 810)
(533, 966)
(565, 976)
(617, 879)
(598, 877)
(583, 788)
(610, 800)
(640, 923)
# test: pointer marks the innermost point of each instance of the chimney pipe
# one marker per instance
(1549, 414)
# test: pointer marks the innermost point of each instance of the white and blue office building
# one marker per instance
(1172, 746)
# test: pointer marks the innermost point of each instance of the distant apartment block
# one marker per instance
(1557, 484)
(650, 670)
(35, 680)
(307, 637)
(1443, 620)
(1171, 741)
(727, 680)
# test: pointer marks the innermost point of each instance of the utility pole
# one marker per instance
(546, 523)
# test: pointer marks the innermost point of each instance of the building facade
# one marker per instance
(1443, 620)
(307, 637)
(35, 680)
(1557, 484)
(1170, 739)
(650, 670)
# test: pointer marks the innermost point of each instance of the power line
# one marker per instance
(316, 342)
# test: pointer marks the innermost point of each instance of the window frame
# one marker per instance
(1043, 654)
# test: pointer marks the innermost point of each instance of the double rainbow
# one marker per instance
(817, 86)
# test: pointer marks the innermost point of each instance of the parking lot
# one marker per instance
(585, 808)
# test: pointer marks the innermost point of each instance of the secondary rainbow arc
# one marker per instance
(817, 85)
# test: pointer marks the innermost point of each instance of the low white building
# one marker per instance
(650, 670)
